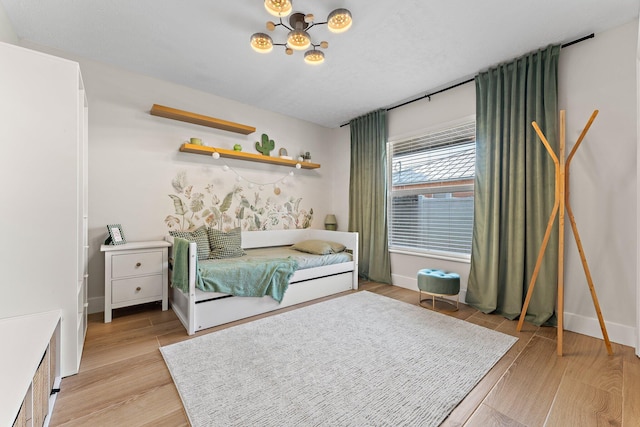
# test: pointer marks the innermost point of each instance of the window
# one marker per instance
(430, 199)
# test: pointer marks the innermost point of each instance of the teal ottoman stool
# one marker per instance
(438, 283)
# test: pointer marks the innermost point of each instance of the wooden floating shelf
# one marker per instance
(240, 155)
(199, 119)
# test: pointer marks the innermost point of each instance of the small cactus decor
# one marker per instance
(266, 145)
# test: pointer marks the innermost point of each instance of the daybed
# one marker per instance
(199, 310)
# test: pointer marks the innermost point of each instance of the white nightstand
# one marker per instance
(135, 273)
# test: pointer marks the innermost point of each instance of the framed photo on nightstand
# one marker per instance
(116, 235)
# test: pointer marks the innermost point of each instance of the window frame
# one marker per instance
(465, 187)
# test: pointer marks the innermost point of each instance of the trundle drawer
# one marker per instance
(136, 264)
(137, 288)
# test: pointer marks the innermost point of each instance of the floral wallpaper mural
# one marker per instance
(226, 209)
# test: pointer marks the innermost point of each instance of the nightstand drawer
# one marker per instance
(136, 288)
(136, 264)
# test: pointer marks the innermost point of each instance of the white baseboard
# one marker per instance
(96, 305)
(621, 334)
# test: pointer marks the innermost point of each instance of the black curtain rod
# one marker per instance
(576, 41)
(571, 43)
(431, 94)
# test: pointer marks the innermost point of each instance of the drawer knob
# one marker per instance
(138, 289)
(138, 264)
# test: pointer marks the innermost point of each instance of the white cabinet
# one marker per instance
(29, 368)
(135, 273)
(43, 165)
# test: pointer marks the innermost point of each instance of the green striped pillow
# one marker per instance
(199, 235)
(225, 245)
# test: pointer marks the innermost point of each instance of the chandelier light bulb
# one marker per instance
(339, 20)
(279, 8)
(308, 18)
(324, 44)
(288, 51)
(215, 155)
(314, 57)
(298, 40)
(261, 43)
(271, 25)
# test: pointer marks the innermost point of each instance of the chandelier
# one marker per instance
(298, 37)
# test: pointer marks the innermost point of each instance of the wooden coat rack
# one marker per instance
(562, 201)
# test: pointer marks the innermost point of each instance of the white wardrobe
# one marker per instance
(43, 188)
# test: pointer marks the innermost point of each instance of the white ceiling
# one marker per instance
(394, 51)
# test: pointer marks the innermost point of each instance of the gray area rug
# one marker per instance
(358, 360)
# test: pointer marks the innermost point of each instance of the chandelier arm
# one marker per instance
(285, 25)
(282, 24)
(317, 23)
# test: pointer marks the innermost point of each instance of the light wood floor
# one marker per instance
(123, 380)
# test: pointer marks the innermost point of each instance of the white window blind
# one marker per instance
(431, 194)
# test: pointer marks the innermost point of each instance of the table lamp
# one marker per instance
(330, 222)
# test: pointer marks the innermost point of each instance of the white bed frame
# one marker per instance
(199, 310)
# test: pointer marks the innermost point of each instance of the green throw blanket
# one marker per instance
(234, 276)
(180, 271)
(247, 278)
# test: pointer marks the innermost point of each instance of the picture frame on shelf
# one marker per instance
(283, 154)
(116, 235)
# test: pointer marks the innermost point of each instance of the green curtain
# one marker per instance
(368, 195)
(515, 187)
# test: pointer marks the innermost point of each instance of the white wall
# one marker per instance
(598, 73)
(134, 156)
(7, 33)
(638, 201)
(341, 146)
